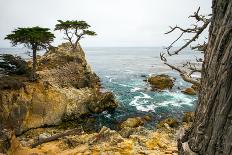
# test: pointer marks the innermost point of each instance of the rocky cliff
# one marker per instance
(66, 89)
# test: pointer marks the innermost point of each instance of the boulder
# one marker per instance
(161, 82)
(171, 122)
(132, 122)
(189, 91)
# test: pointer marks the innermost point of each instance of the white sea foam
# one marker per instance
(108, 115)
(150, 107)
(177, 99)
(123, 85)
(110, 78)
(142, 105)
(135, 89)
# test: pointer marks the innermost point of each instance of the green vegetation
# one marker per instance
(13, 64)
(74, 31)
(35, 38)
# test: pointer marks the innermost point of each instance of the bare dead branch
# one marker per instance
(200, 30)
(197, 30)
(185, 76)
(57, 136)
(162, 57)
(200, 47)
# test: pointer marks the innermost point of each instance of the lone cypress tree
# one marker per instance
(35, 38)
(74, 31)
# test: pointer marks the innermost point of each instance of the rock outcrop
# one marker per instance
(66, 89)
(189, 91)
(168, 122)
(132, 122)
(161, 82)
(107, 141)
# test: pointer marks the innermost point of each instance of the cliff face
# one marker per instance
(66, 89)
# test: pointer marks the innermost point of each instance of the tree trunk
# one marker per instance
(211, 133)
(34, 65)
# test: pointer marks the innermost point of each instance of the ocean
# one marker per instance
(122, 70)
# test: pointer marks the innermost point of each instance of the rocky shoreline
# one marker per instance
(129, 140)
(64, 97)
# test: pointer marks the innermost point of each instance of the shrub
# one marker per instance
(13, 64)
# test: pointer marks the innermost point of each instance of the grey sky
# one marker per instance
(117, 22)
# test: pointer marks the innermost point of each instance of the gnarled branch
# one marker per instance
(197, 30)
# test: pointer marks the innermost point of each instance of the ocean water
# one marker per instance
(123, 70)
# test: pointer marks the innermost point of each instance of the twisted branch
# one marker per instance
(197, 30)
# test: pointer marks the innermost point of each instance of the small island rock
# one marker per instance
(161, 82)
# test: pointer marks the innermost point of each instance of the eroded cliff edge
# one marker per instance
(66, 89)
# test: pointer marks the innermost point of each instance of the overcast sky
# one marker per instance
(117, 22)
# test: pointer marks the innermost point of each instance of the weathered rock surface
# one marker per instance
(107, 141)
(189, 91)
(161, 82)
(132, 122)
(66, 89)
(168, 122)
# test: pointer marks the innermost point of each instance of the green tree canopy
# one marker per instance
(74, 30)
(35, 38)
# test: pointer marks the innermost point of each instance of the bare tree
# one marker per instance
(196, 30)
(211, 131)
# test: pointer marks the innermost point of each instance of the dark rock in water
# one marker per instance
(161, 82)
(171, 122)
(143, 75)
(65, 90)
(189, 91)
(145, 80)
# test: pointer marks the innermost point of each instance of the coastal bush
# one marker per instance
(13, 64)
(11, 82)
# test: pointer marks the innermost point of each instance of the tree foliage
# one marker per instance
(35, 38)
(74, 30)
